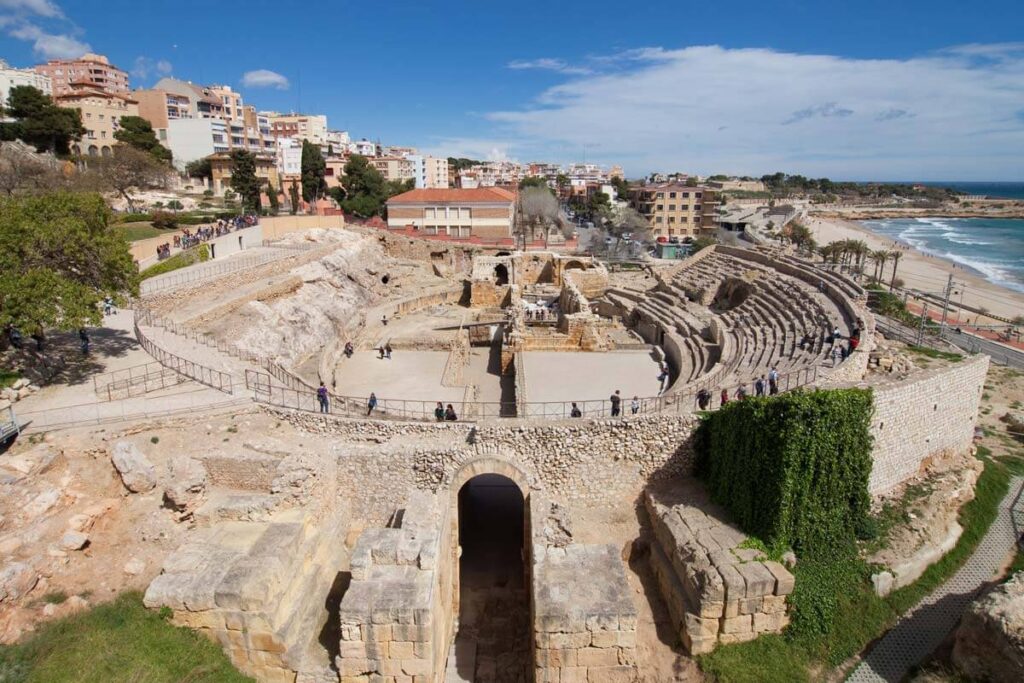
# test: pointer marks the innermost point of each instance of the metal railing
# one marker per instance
(264, 391)
(221, 381)
(206, 271)
(134, 381)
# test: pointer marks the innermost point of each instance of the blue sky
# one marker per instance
(886, 90)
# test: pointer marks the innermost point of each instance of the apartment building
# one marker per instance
(312, 127)
(101, 114)
(364, 148)
(394, 168)
(676, 209)
(431, 172)
(483, 213)
(11, 77)
(192, 139)
(221, 167)
(90, 71)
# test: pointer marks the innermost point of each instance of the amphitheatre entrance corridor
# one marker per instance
(493, 641)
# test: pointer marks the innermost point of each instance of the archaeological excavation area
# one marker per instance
(499, 479)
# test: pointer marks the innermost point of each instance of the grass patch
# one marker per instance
(138, 230)
(7, 378)
(933, 353)
(116, 642)
(843, 589)
(179, 260)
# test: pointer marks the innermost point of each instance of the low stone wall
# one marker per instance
(716, 591)
(922, 417)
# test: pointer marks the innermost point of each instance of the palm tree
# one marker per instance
(896, 256)
(879, 257)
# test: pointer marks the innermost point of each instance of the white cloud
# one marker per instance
(548, 64)
(482, 149)
(51, 45)
(264, 78)
(954, 114)
(143, 67)
(42, 8)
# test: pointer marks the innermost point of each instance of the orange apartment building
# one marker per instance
(676, 209)
(90, 71)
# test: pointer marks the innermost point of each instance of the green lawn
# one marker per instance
(179, 260)
(862, 616)
(116, 642)
(138, 230)
(7, 378)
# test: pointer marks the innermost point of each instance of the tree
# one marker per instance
(599, 206)
(293, 198)
(58, 260)
(37, 121)
(127, 169)
(533, 181)
(244, 180)
(314, 169)
(538, 210)
(702, 242)
(22, 171)
(621, 187)
(175, 206)
(366, 191)
(275, 203)
(896, 256)
(691, 182)
(137, 132)
(200, 168)
(879, 256)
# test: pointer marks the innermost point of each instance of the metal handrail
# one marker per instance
(215, 379)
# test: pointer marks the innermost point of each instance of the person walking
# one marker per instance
(321, 397)
(773, 381)
(725, 396)
(371, 404)
(384, 320)
(380, 349)
(662, 379)
(439, 412)
(741, 392)
(83, 338)
(634, 405)
(387, 350)
(703, 398)
(575, 412)
(616, 400)
(449, 414)
(759, 386)
(835, 355)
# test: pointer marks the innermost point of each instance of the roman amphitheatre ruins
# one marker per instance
(516, 539)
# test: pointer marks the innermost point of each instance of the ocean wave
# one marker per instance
(995, 272)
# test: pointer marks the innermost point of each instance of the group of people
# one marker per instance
(445, 414)
(204, 233)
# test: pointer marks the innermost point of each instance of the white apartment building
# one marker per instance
(289, 156)
(192, 139)
(363, 147)
(312, 127)
(337, 142)
(431, 172)
(11, 77)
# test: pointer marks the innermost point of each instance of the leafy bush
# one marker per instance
(179, 260)
(792, 469)
(164, 220)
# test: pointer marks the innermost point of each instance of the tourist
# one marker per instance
(439, 412)
(854, 343)
(321, 397)
(759, 386)
(380, 350)
(371, 404)
(349, 349)
(616, 400)
(387, 350)
(725, 396)
(835, 355)
(773, 381)
(449, 414)
(662, 378)
(703, 398)
(384, 320)
(83, 338)
(741, 392)
(575, 412)
(634, 405)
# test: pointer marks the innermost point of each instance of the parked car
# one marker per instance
(662, 239)
(609, 240)
(674, 239)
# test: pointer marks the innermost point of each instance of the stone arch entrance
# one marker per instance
(490, 570)
(501, 274)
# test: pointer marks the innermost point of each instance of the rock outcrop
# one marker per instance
(990, 641)
(137, 472)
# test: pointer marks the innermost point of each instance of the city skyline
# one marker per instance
(922, 95)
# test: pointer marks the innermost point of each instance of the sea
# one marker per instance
(999, 190)
(991, 247)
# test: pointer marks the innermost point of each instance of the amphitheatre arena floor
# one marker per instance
(559, 376)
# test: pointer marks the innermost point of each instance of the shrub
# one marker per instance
(792, 469)
(165, 220)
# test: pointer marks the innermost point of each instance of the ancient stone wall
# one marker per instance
(923, 416)
(451, 259)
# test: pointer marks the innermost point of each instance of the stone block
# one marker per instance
(605, 639)
(731, 638)
(767, 622)
(710, 610)
(573, 674)
(627, 656)
(731, 609)
(416, 667)
(750, 605)
(611, 674)
(732, 580)
(626, 639)
(774, 604)
(741, 624)
(410, 633)
(554, 659)
(569, 640)
(784, 580)
(356, 667)
(627, 622)
(265, 642)
(759, 580)
(697, 626)
(401, 650)
(353, 649)
(378, 649)
(377, 632)
(602, 622)
(699, 645)
(350, 631)
(597, 657)
(547, 676)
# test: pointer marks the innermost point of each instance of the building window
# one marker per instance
(697, 195)
(658, 219)
(660, 207)
(671, 207)
(697, 208)
(671, 195)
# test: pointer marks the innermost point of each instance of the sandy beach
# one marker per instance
(926, 272)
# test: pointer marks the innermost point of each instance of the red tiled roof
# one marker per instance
(457, 196)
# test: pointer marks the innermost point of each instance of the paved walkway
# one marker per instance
(924, 628)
